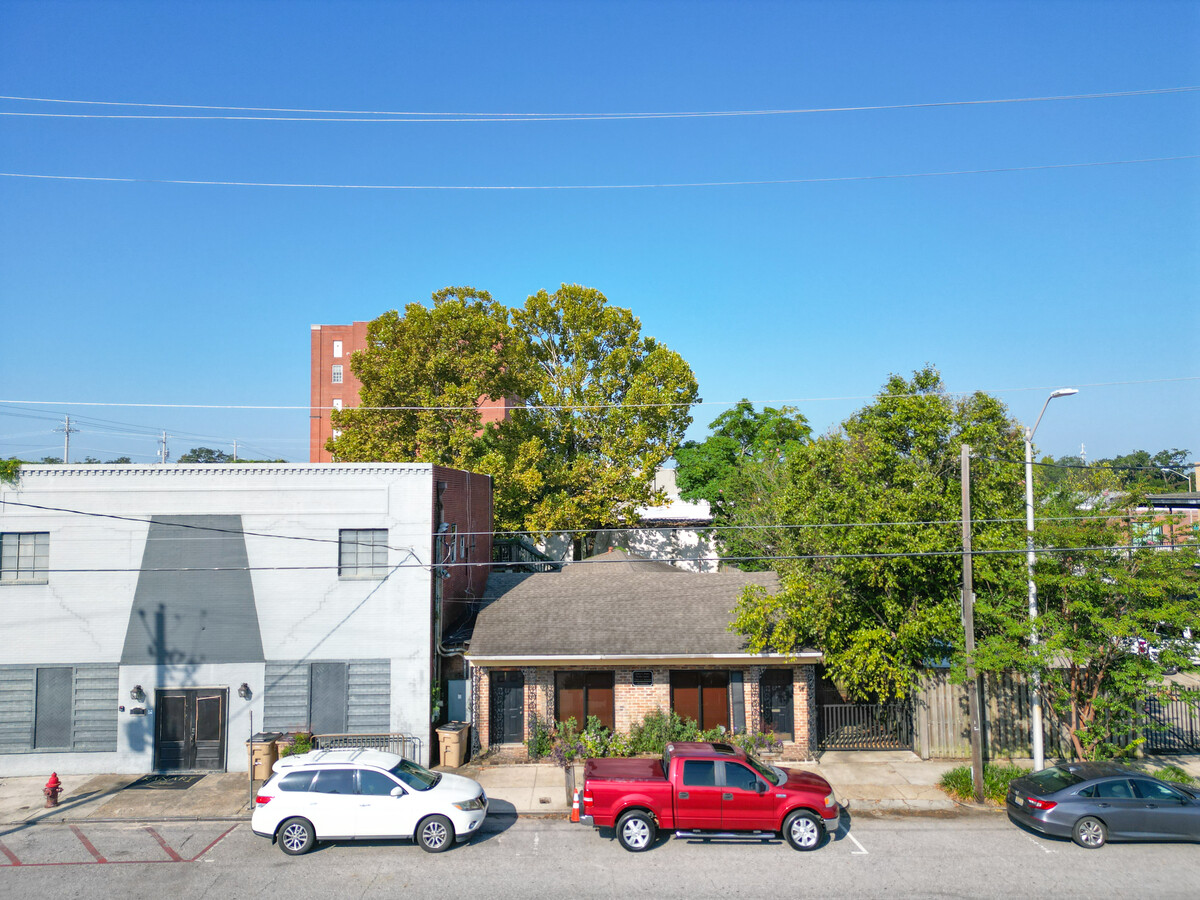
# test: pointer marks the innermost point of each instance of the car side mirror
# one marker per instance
(397, 791)
(760, 787)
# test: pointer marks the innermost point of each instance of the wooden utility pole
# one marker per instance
(968, 621)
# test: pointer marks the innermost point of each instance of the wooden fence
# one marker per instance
(942, 726)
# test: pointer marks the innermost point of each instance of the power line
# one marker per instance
(591, 406)
(597, 187)
(413, 117)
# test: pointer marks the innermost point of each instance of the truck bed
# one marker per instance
(644, 769)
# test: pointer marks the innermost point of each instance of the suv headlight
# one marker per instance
(469, 805)
(831, 800)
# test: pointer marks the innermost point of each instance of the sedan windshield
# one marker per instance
(416, 777)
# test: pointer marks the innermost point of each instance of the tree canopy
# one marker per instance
(865, 525)
(597, 406)
(1100, 589)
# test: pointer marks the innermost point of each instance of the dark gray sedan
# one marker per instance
(1091, 802)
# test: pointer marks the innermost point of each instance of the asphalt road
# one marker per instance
(970, 855)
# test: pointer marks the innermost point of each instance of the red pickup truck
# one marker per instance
(707, 791)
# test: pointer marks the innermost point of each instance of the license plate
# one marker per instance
(1018, 799)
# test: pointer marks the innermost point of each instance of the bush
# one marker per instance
(756, 742)
(300, 742)
(1172, 772)
(996, 779)
(541, 742)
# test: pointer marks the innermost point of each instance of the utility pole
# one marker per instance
(66, 430)
(235, 449)
(968, 621)
(162, 449)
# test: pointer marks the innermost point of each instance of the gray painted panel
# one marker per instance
(95, 719)
(16, 708)
(368, 691)
(194, 601)
(52, 708)
(285, 698)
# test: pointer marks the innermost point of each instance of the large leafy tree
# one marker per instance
(422, 376)
(605, 407)
(1100, 589)
(866, 520)
(599, 407)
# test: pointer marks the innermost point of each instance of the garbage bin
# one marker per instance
(452, 739)
(263, 753)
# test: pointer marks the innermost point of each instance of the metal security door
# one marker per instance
(507, 718)
(190, 731)
(776, 692)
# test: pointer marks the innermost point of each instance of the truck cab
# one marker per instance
(706, 790)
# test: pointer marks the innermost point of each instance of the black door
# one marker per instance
(507, 718)
(775, 690)
(190, 732)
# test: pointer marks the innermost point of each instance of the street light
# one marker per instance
(1035, 700)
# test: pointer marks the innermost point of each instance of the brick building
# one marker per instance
(333, 386)
(617, 637)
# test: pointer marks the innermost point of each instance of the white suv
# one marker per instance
(352, 794)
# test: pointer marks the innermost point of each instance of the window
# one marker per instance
(337, 403)
(1152, 790)
(52, 711)
(296, 781)
(699, 772)
(25, 557)
(1147, 534)
(334, 781)
(578, 695)
(337, 374)
(738, 776)
(362, 553)
(1114, 790)
(701, 696)
(337, 349)
(375, 783)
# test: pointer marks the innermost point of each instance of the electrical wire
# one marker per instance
(592, 406)
(832, 179)
(411, 117)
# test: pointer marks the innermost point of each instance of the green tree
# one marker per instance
(423, 374)
(205, 455)
(869, 509)
(604, 408)
(709, 469)
(1098, 592)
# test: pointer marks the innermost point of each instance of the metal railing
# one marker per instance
(1172, 725)
(866, 726)
(405, 745)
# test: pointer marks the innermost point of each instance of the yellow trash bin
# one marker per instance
(263, 753)
(452, 740)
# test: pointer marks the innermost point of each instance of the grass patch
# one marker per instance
(996, 778)
(1172, 772)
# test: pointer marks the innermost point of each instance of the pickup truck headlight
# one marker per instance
(831, 800)
(469, 805)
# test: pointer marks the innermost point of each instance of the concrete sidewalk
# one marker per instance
(884, 781)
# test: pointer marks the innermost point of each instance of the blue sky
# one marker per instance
(1015, 283)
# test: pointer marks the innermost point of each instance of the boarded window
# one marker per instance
(702, 696)
(328, 698)
(579, 695)
(52, 716)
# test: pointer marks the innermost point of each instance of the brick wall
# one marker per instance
(633, 702)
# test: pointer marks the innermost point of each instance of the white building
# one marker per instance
(156, 616)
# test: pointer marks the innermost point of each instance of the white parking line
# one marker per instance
(861, 851)
(1039, 843)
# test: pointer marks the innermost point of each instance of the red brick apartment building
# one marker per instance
(333, 386)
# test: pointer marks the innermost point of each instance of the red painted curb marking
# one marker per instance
(216, 841)
(88, 845)
(12, 857)
(175, 857)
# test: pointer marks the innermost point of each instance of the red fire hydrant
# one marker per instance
(52, 789)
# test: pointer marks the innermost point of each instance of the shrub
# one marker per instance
(996, 778)
(540, 743)
(1172, 772)
(301, 742)
(756, 741)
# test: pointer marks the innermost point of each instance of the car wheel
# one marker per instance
(435, 834)
(296, 836)
(803, 831)
(1090, 833)
(635, 831)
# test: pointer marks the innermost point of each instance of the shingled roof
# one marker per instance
(615, 604)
